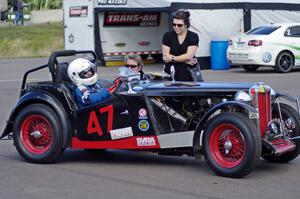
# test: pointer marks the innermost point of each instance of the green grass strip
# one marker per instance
(31, 41)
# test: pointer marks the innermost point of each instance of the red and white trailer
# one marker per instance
(114, 28)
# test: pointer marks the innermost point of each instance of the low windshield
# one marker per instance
(263, 30)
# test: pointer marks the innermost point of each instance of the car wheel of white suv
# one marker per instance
(284, 62)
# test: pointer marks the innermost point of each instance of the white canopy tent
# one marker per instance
(210, 19)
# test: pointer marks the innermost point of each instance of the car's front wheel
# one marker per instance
(284, 62)
(232, 145)
(250, 68)
(37, 134)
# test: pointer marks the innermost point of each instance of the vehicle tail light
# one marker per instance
(255, 43)
(229, 42)
(261, 99)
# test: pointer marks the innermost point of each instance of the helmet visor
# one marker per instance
(87, 73)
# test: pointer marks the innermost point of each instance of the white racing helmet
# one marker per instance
(82, 71)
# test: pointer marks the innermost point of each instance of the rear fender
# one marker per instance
(41, 98)
(197, 140)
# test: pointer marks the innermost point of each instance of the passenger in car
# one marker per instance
(87, 91)
(135, 63)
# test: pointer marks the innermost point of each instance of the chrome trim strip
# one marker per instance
(176, 140)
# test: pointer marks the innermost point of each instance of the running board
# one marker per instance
(280, 146)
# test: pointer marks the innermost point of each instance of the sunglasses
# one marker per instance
(131, 66)
(178, 25)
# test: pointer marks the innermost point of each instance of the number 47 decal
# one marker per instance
(94, 124)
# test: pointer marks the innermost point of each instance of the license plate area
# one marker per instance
(240, 44)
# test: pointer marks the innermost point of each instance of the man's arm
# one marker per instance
(98, 96)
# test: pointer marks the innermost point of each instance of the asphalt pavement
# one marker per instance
(120, 174)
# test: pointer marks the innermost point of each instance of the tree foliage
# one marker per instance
(41, 4)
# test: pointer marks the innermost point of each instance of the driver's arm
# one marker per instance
(89, 96)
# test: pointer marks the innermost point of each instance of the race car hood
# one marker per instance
(191, 88)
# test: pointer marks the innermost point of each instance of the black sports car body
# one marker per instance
(231, 124)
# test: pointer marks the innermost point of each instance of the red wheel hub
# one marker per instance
(36, 134)
(227, 145)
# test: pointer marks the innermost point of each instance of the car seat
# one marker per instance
(61, 76)
(61, 73)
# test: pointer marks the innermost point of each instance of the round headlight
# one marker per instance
(273, 93)
(242, 96)
(273, 127)
(290, 123)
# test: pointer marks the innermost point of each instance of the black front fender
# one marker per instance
(42, 98)
(200, 126)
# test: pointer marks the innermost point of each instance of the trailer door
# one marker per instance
(79, 25)
(135, 31)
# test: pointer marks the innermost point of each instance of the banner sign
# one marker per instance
(112, 2)
(78, 11)
(145, 19)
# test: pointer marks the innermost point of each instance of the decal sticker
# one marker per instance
(145, 141)
(267, 57)
(144, 43)
(253, 115)
(142, 112)
(144, 125)
(120, 44)
(121, 133)
(93, 125)
(132, 19)
(78, 11)
(112, 2)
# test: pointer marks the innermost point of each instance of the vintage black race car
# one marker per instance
(231, 124)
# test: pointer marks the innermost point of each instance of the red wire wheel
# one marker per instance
(36, 134)
(231, 144)
(227, 145)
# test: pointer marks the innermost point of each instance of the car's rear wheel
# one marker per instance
(250, 68)
(37, 134)
(284, 62)
(287, 112)
(232, 145)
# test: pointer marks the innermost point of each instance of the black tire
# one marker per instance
(287, 112)
(46, 145)
(244, 139)
(250, 68)
(284, 62)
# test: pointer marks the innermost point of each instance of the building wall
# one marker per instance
(44, 16)
(3, 5)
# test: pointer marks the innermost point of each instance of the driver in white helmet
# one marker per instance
(83, 73)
